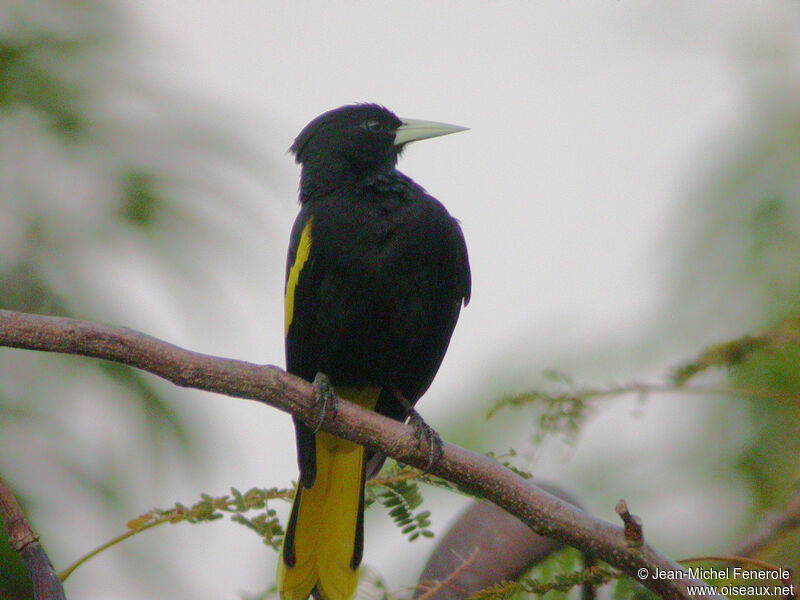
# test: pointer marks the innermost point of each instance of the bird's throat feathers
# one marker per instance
(319, 178)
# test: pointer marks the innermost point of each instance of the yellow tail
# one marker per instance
(326, 519)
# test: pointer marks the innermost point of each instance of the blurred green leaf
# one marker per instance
(141, 204)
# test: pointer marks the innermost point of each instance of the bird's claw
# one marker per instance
(424, 433)
(326, 398)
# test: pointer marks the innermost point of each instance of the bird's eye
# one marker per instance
(373, 125)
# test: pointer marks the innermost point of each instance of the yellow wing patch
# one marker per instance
(300, 258)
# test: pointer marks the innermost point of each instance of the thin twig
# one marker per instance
(64, 573)
(432, 588)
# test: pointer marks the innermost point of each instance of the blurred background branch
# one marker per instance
(46, 584)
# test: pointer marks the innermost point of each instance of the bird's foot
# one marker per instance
(326, 398)
(424, 433)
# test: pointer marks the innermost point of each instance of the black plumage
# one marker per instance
(373, 299)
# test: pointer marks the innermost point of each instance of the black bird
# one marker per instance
(376, 275)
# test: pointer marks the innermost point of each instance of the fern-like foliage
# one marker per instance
(563, 408)
(553, 586)
(266, 525)
(401, 497)
(503, 460)
(208, 508)
(733, 355)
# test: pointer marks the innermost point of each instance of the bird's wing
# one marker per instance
(426, 349)
(302, 275)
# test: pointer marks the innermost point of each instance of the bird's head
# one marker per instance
(360, 137)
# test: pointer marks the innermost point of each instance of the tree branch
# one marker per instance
(46, 584)
(478, 474)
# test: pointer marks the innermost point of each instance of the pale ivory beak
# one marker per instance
(412, 130)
